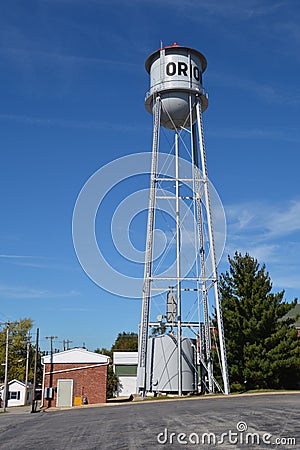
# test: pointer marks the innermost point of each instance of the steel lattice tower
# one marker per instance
(177, 100)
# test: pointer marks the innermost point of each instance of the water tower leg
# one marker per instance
(178, 265)
(224, 367)
(144, 325)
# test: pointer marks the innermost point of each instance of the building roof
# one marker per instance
(293, 313)
(14, 381)
(125, 358)
(76, 355)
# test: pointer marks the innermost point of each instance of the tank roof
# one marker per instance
(150, 58)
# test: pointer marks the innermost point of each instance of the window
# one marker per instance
(129, 370)
(14, 395)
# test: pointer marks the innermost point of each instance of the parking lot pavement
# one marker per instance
(267, 421)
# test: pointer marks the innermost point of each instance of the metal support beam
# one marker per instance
(178, 266)
(224, 368)
(143, 329)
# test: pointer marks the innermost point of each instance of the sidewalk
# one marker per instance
(18, 409)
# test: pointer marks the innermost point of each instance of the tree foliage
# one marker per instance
(112, 379)
(262, 347)
(17, 350)
(112, 382)
(126, 342)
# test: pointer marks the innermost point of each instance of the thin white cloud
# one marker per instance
(31, 55)
(269, 93)
(246, 9)
(265, 220)
(26, 260)
(36, 262)
(284, 135)
(90, 125)
(23, 292)
(16, 256)
(285, 220)
(77, 309)
(269, 233)
(289, 280)
(262, 252)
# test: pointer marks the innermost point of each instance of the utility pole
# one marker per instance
(51, 364)
(33, 405)
(51, 343)
(27, 367)
(5, 392)
(66, 344)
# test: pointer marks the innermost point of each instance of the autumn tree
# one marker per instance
(262, 346)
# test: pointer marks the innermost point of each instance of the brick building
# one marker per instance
(74, 377)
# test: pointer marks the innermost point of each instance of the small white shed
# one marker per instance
(16, 393)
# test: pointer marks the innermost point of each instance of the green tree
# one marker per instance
(112, 379)
(17, 351)
(262, 347)
(112, 382)
(126, 342)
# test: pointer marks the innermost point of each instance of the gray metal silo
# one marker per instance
(162, 367)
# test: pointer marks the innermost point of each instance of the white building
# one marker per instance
(16, 393)
(125, 367)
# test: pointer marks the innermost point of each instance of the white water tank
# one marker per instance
(176, 76)
(162, 365)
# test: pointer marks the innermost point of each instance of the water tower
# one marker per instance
(176, 354)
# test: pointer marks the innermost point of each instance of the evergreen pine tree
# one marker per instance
(262, 347)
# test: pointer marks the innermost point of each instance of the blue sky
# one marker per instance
(72, 85)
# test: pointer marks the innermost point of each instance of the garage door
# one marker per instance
(64, 393)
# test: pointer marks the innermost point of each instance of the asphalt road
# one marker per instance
(265, 421)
